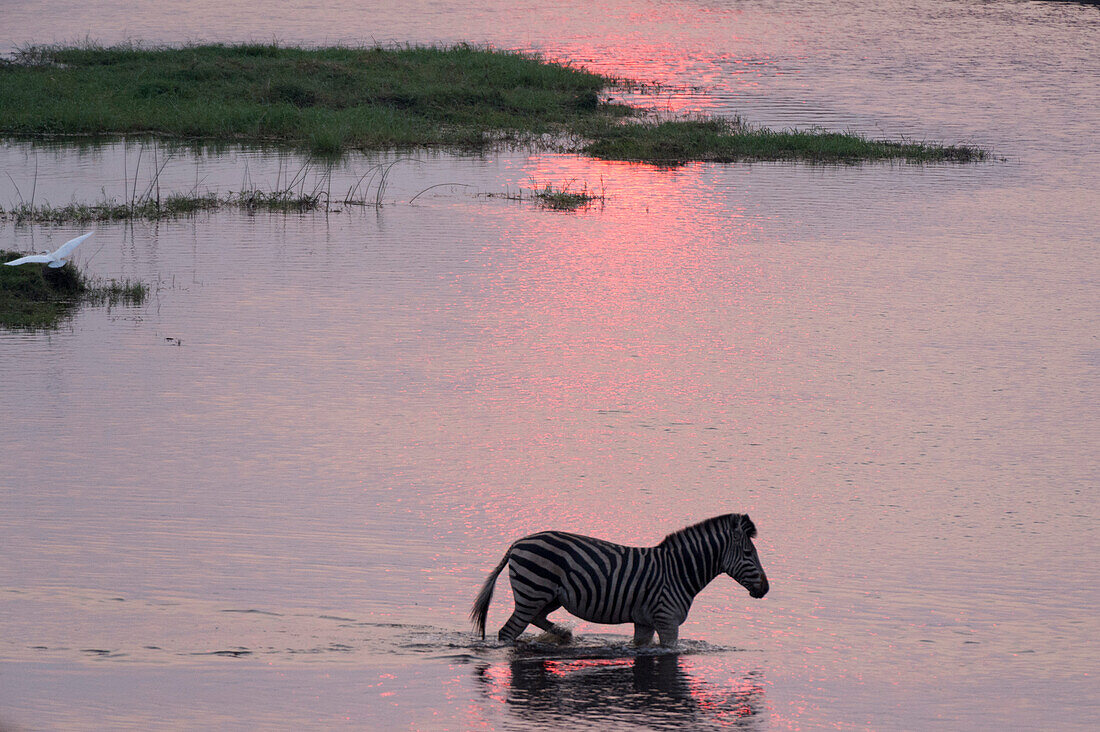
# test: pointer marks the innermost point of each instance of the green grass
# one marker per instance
(36, 296)
(725, 141)
(330, 100)
(326, 100)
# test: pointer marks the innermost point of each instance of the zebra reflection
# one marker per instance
(649, 691)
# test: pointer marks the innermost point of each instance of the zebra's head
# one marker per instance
(740, 559)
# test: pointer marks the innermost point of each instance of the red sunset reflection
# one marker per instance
(605, 354)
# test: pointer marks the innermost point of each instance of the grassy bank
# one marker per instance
(333, 99)
(37, 296)
(725, 141)
(327, 99)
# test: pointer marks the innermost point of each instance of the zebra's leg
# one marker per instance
(528, 609)
(515, 625)
(643, 634)
(669, 635)
(540, 621)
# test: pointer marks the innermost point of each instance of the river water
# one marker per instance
(266, 497)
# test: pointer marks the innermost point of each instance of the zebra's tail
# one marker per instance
(480, 610)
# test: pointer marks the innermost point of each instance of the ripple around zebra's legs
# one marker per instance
(583, 646)
(606, 646)
(457, 645)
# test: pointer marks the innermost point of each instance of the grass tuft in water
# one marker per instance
(116, 292)
(548, 196)
(283, 201)
(37, 296)
(564, 199)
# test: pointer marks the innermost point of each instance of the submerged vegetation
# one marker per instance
(289, 196)
(37, 296)
(173, 206)
(110, 210)
(564, 198)
(330, 100)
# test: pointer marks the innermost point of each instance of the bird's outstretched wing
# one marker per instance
(66, 249)
(31, 259)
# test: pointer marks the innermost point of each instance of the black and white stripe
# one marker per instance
(603, 582)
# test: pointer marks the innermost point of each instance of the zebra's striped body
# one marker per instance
(603, 582)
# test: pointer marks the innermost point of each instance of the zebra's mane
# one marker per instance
(730, 521)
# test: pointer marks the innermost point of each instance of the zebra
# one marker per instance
(602, 582)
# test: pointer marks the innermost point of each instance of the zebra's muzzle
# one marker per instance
(760, 590)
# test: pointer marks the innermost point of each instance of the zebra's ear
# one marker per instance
(747, 526)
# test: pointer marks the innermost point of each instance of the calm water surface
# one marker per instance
(266, 497)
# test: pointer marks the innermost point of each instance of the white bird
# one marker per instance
(56, 258)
